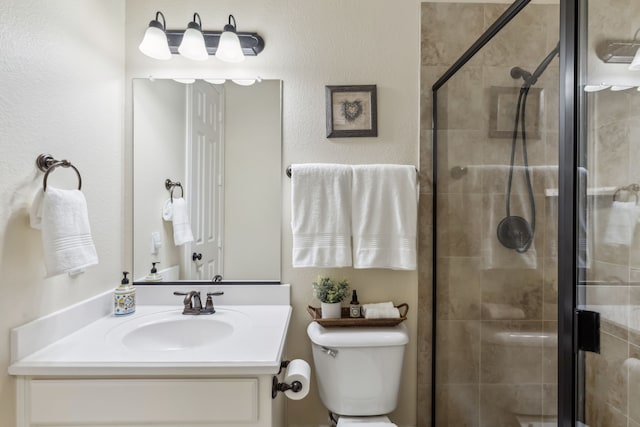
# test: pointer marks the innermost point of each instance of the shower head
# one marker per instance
(517, 72)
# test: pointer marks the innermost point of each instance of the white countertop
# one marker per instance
(96, 349)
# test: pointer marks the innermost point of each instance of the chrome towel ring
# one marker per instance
(170, 185)
(46, 163)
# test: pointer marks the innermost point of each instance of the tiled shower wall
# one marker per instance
(483, 379)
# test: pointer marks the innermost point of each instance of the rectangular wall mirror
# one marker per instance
(222, 143)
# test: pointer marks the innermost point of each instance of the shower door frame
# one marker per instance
(568, 377)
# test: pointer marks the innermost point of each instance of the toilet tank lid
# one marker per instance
(358, 336)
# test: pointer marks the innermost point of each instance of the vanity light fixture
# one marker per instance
(215, 81)
(635, 63)
(192, 45)
(246, 82)
(155, 44)
(196, 43)
(229, 49)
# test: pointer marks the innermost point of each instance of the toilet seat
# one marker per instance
(365, 422)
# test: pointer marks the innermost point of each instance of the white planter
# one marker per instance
(331, 310)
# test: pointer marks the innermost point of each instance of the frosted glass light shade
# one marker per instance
(229, 49)
(635, 64)
(192, 45)
(154, 44)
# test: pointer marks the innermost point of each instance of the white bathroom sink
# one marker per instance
(173, 331)
(177, 334)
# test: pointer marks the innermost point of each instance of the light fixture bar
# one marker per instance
(252, 44)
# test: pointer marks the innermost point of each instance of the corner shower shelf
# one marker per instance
(346, 321)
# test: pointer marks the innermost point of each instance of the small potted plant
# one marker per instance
(330, 293)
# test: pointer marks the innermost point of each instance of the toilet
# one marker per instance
(358, 371)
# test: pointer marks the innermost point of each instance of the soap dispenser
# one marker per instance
(124, 297)
(153, 275)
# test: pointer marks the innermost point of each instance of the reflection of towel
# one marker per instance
(181, 227)
(501, 311)
(321, 215)
(623, 218)
(385, 212)
(66, 235)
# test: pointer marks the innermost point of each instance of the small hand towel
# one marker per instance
(375, 306)
(181, 227)
(321, 215)
(66, 234)
(382, 313)
(623, 218)
(385, 214)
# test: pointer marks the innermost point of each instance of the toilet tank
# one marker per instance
(358, 369)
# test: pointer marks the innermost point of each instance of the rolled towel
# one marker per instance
(365, 307)
(382, 313)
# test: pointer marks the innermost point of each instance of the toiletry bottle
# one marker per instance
(153, 275)
(124, 297)
(354, 305)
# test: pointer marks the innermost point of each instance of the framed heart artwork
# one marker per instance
(351, 111)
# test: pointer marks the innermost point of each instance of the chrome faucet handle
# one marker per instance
(208, 309)
(197, 302)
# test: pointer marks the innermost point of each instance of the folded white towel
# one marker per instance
(382, 313)
(623, 218)
(181, 227)
(377, 305)
(321, 215)
(66, 234)
(385, 214)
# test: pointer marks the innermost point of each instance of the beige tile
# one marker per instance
(443, 43)
(499, 403)
(462, 104)
(550, 353)
(606, 273)
(634, 315)
(458, 289)
(458, 352)
(521, 290)
(459, 224)
(633, 366)
(458, 405)
(615, 308)
(601, 414)
(550, 400)
(550, 289)
(509, 354)
(464, 149)
(612, 154)
(606, 378)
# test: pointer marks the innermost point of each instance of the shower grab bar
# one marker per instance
(288, 171)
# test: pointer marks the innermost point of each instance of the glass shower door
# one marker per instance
(496, 151)
(608, 211)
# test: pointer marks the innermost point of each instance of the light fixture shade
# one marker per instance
(229, 49)
(155, 44)
(192, 45)
(635, 64)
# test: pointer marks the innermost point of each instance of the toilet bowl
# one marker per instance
(358, 371)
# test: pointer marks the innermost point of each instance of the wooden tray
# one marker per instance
(346, 320)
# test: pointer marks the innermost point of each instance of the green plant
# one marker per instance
(329, 291)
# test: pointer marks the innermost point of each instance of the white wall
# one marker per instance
(310, 44)
(61, 92)
(253, 177)
(160, 134)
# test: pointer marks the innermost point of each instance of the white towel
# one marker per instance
(66, 234)
(375, 306)
(623, 218)
(385, 214)
(382, 313)
(181, 227)
(321, 215)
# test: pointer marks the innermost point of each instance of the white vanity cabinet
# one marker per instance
(171, 402)
(85, 367)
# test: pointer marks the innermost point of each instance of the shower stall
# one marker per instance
(536, 253)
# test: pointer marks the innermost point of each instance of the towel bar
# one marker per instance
(46, 163)
(289, 171)
(170, 185)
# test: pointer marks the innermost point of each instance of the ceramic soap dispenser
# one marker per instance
(124, 297)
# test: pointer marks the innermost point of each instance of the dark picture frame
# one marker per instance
(352, 111)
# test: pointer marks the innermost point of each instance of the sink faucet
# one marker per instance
(193, 302)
